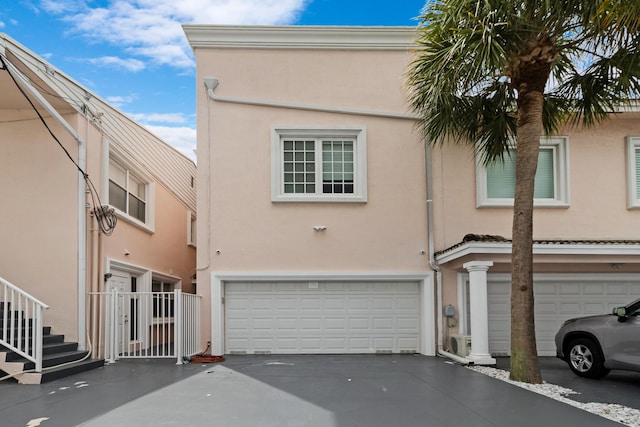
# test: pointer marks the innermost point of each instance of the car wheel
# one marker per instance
(585, 359)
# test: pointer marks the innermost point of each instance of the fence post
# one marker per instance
(113, 324)
(38, 338)
(177, 324)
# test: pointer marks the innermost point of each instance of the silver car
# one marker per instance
(594, 345)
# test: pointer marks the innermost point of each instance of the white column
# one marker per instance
(479, 312)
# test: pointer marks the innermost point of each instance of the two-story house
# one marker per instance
(327, 225)
(54, 250)
(312, 212)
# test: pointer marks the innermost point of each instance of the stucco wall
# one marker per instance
(38, 232)
(164, 251)
(597, 182)
(251, 232)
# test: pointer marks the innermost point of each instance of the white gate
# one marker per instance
(144, 324)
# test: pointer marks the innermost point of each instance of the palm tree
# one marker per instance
(491, 72)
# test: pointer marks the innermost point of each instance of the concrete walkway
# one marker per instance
(382, 390)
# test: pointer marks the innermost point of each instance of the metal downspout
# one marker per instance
(431, 242)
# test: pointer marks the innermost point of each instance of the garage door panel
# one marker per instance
(382, 324)
(336, 324)
(555, 301)
(569, 308)
(409, 304)
(569, 289)
(322, 317)
(618, 289)
(382, 304)
(408, 324)
(546, 307)
(594, 289)
(359, 324)
(359, 303)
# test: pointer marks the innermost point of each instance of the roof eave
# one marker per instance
(591, 249)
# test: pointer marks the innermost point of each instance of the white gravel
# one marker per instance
(622, 414)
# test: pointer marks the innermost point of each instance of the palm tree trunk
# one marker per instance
(524, 356)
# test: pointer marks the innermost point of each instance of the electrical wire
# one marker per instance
(104, 214)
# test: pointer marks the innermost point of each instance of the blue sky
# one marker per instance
(134, 54)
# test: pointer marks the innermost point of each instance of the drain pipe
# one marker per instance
(433, 263)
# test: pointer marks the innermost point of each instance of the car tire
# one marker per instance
(585, 359)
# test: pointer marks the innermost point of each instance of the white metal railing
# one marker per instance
(144, 324)
(21, 322)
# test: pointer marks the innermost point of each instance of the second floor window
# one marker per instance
(127, 192)
(319, 165)
(496, 182)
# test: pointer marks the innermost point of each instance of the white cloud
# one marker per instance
(182, 139)
(174, 118)
(152, 28)
(120, 101)
(129, 64)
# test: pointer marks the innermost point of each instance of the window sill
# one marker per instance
(536, 205)
(318, 199)
(131, 220)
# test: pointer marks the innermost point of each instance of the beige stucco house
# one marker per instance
(312, 214)
(325, 226)
(52, 247)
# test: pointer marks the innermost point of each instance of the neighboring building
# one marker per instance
(51, 245)
(309, 244)
(587, 240)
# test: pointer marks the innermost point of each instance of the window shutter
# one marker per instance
(501, 176)
(544, 185)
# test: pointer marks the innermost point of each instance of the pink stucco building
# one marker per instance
(326, 226)
(52, 247)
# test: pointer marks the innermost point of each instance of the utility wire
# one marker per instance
(104, 214)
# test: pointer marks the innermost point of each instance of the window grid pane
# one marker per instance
(299, 166)
(117, 196)
(337, 167)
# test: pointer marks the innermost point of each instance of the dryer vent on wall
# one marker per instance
(460, 344)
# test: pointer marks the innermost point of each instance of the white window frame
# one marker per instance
(633, 144)
(149, 223)
(191, 229)
(358, 134)
(560, 147)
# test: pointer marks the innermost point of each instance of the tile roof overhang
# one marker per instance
(483, 244)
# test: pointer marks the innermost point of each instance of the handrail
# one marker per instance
(19, 310)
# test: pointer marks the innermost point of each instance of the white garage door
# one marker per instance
(322, 317)
(556, 300)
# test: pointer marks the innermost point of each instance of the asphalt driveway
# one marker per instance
(621, 387)
(362, 390)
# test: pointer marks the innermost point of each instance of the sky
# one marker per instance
(134, 54)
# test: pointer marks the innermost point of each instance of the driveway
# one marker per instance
(318, 391)
(621, 387)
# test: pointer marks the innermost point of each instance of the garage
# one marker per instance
(557, 298)
(322, 317)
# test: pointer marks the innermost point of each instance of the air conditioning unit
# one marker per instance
(460, 344)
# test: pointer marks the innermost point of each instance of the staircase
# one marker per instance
(32, 354)
(55, 351)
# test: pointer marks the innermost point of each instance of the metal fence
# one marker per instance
(144, 324)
